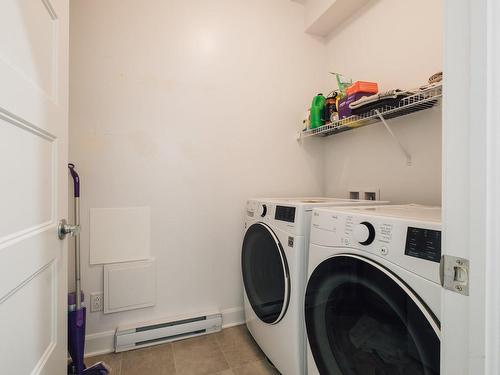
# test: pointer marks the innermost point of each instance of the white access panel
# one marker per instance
(119, 234)
(129, 286)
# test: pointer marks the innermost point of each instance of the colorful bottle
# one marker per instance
(317, 111)
(331, 107)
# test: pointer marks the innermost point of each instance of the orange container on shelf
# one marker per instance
(362, 86)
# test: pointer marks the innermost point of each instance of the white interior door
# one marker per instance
(33, 185)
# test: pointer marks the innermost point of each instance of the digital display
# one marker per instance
(423, 244)
(285, 213)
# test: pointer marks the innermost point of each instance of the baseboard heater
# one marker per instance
(158, 332)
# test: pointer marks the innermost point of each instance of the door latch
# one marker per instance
(454, 274)
(64, 229)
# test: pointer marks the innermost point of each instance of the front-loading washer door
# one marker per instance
(265, 273)
(362, 319)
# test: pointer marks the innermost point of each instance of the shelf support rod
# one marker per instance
(389, 130)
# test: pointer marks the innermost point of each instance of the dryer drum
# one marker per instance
(265, 273)
(361, 319)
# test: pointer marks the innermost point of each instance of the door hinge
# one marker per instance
(454, 274)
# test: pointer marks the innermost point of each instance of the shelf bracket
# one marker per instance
(298, 136)
(389, 130)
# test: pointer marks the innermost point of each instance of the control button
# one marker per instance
(364, 233)
(263, 210)
(384, 251)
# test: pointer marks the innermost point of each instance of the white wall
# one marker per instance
(399, 45)
(190, 106)
(314, 9)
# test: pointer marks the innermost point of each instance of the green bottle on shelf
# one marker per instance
(317, 111)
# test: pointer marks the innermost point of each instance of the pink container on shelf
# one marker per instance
(362, 86)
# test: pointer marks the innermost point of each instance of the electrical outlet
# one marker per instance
(96, 301)
(354, 195)
(369, 194)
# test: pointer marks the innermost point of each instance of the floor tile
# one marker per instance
(256, 368)
(158, 360)
(243, 354)
(232, 337)
(199, 356)
(195, 345)
(238, 346)
(230, 352)
(225, 372)
(112, 360)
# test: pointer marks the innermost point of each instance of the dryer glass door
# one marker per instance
(361, 319)
(265, 273)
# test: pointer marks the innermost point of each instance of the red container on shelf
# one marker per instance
(362, 86)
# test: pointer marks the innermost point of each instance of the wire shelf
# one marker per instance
(422, 100)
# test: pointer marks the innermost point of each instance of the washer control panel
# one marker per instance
(262, 210)
(423, 243)
(293, 219)
(364, 233)
(409, 242)
(285, 213)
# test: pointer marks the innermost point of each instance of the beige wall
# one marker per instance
(190, 107)
(399, 45)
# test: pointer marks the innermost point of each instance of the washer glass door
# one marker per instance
(265, 273)
(363, 320)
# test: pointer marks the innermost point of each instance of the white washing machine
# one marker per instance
(372, 303)
(274, 266)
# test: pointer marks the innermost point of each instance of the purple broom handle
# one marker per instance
(76, 179)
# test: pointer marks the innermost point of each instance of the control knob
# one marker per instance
(364, 233)
(262, 210)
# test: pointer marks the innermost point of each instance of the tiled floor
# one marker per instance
(230, 352)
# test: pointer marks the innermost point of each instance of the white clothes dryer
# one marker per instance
(372, 303)
(274, 266)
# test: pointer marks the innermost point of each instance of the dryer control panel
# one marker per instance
(285, 213)
(291, 218)
(410, 242)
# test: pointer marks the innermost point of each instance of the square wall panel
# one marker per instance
(130, 285)
(119, 234)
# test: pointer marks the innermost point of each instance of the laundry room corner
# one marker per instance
(188, 127)
(400, 53)
(249, 187)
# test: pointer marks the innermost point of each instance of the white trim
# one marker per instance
(471, 175)
(233, 317)
(104, 342)
(456, 319)
(99, 343)
(492, 261)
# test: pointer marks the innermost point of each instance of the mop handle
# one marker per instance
(76, 188)
(76, 179)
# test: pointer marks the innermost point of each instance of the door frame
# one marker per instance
(471, 178)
